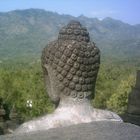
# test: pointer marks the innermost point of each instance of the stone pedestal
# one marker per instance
(133, 111)
(102, 130)
(2, 124)
(14, 121)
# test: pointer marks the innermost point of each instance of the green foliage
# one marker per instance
(21, 83)
(119, 99)
(114, 83)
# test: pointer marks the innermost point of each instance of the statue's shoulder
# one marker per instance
(106, 115)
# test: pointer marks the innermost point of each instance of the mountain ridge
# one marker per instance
(25, 32)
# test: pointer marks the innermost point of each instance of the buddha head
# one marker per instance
(71, 64)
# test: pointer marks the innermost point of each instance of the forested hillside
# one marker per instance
(23, 33)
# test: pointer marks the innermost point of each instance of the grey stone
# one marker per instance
(72, 52)
(133, 111)
(2, 121)
(88, 131)
(138, 80)
(134, 98)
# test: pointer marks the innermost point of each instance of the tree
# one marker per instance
(119, 99)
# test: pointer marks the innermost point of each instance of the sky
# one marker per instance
(126, 10)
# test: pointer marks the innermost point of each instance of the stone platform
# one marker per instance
(89, 131)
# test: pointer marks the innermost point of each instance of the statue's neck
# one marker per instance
(75, 105)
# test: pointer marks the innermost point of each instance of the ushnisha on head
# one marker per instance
(71, 64)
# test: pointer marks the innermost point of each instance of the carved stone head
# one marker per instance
(71, 64)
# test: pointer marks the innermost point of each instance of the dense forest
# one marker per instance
(22, 84)
(24, 33)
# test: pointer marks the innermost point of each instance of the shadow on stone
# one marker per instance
(89, 131)
(133, 111)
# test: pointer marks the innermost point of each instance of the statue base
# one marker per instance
(96, 130)
(131, 118)
(69, 112)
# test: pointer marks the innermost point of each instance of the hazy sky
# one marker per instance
(125, 10)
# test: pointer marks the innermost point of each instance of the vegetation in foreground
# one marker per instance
(22, 86)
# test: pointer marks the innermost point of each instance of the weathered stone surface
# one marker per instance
(138, 80)
(73, 55)
(89, 131)
(134, 98)
(133, 110)
(134, 119)
(8, 124)
(2, 121)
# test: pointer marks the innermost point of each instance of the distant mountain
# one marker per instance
(23, 33)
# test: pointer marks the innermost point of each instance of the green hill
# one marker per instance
(23, 34)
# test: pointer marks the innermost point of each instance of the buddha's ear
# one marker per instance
(46, 66)
(46, 69)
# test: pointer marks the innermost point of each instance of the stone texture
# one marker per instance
(89, 131)
(8, 122)
(134, 98)
(2, 122)
(133, 111)
(73, 55)
(14, 121)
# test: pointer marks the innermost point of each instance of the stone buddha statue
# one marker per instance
(70, 66)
